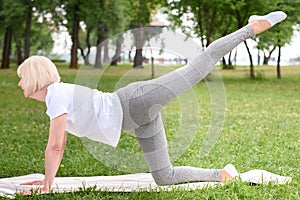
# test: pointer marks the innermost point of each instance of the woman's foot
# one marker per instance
(262, 23)
(228, 173)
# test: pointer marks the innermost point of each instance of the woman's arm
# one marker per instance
(53, 154)
(54, 150)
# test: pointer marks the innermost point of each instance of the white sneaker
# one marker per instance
(231, 170)
(273, 17)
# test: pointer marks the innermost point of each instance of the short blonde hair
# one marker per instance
(37, 72)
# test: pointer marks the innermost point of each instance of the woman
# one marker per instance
(101, 116)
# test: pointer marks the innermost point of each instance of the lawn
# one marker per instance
(261, 131)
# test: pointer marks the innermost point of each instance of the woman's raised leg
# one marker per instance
(142, 101)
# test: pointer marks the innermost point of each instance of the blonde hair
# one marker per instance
(37, 72)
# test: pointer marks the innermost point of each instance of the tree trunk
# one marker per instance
(235, 57)
(200, 26)
(266, 60)
(82, 53)
(208, 25)
(105, 52)
(224, 63)
(27, 35)
(88, 44)
(129, 56)
(86, 56)
(75, 40)
(98, 59)
(267, 57)
(19, 50)
(102, 34)
(116, 57)
(278, 62)
(6, 48)
(258, 57)
(252, 74)
(229, 59)
(138, 58)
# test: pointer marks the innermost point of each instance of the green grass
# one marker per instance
(261, 131)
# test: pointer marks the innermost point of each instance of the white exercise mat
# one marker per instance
(125, 183)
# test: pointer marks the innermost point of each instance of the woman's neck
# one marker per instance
(40, 95)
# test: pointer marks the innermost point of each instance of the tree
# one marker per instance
(270, 40)
(85, 44)
(28, 18)
(102, 31)
(72, 8)
(31, 6)
(41, 40)
(285, 30)
(279, 35)
(67, 13)
(100, 19)
(120, 23)
(6, 48)
(209, 19)
(118, 43)
(18, 20)
(111, 20)
(12, 15)
(74, 36)
(141, 12)
(213, 18)
(87, 33)
(277, 38)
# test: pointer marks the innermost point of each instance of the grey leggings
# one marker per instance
(142, 102)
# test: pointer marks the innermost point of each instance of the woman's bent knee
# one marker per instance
(163, 176)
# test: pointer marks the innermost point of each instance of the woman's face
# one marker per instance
(21, 85)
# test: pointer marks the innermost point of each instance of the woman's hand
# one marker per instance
(36, 182)
(34, 191)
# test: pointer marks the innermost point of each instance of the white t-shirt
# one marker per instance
(91, 113)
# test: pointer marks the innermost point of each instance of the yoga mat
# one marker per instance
(125, 183)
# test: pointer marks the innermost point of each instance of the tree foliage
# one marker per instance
(211, 19)
(27, 24)
(24, 30)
